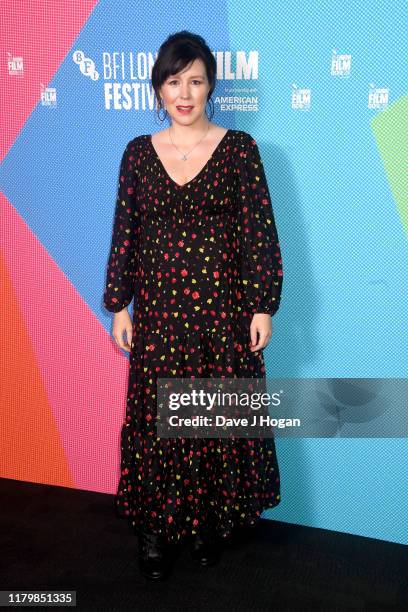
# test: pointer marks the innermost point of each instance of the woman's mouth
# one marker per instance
(184, 110)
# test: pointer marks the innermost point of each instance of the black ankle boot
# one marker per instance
(152, 555)
(205, 548)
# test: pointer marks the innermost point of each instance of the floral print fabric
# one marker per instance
(199, 259)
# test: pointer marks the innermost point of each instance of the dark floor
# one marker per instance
(56, 538)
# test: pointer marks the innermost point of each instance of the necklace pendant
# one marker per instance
(184, 158)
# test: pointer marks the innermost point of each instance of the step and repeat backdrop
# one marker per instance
(322, 87)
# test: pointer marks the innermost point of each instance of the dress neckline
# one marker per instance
(200, 172)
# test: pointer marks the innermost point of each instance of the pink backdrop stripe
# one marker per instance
(81, 373)
(30, 447)
(41, 33)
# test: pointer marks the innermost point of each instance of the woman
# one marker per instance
(195, 243)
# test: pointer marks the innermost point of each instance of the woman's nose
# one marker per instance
(185, 93)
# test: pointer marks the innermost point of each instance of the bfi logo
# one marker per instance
(15, 65)
(301, 98)
(378, 97)
(340, 64)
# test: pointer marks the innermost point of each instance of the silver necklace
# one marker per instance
(184, 155)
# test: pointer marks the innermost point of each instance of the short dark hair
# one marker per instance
(175, 53)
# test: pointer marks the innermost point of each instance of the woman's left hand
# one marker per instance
(261, 325)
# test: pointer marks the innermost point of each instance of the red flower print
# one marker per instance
(198, 261)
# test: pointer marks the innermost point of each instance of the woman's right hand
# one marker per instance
(122, 327)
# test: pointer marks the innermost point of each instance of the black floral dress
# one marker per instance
(199, 259)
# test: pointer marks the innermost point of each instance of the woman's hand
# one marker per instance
(261, 324)
(122, 325)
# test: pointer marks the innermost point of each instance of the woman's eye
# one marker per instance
(195, 81)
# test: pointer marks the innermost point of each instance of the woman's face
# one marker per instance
(190, 88)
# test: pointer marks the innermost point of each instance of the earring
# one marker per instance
(210, 101)
(162, 108)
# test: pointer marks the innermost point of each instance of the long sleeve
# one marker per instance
(262, 271)
(121, 268)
